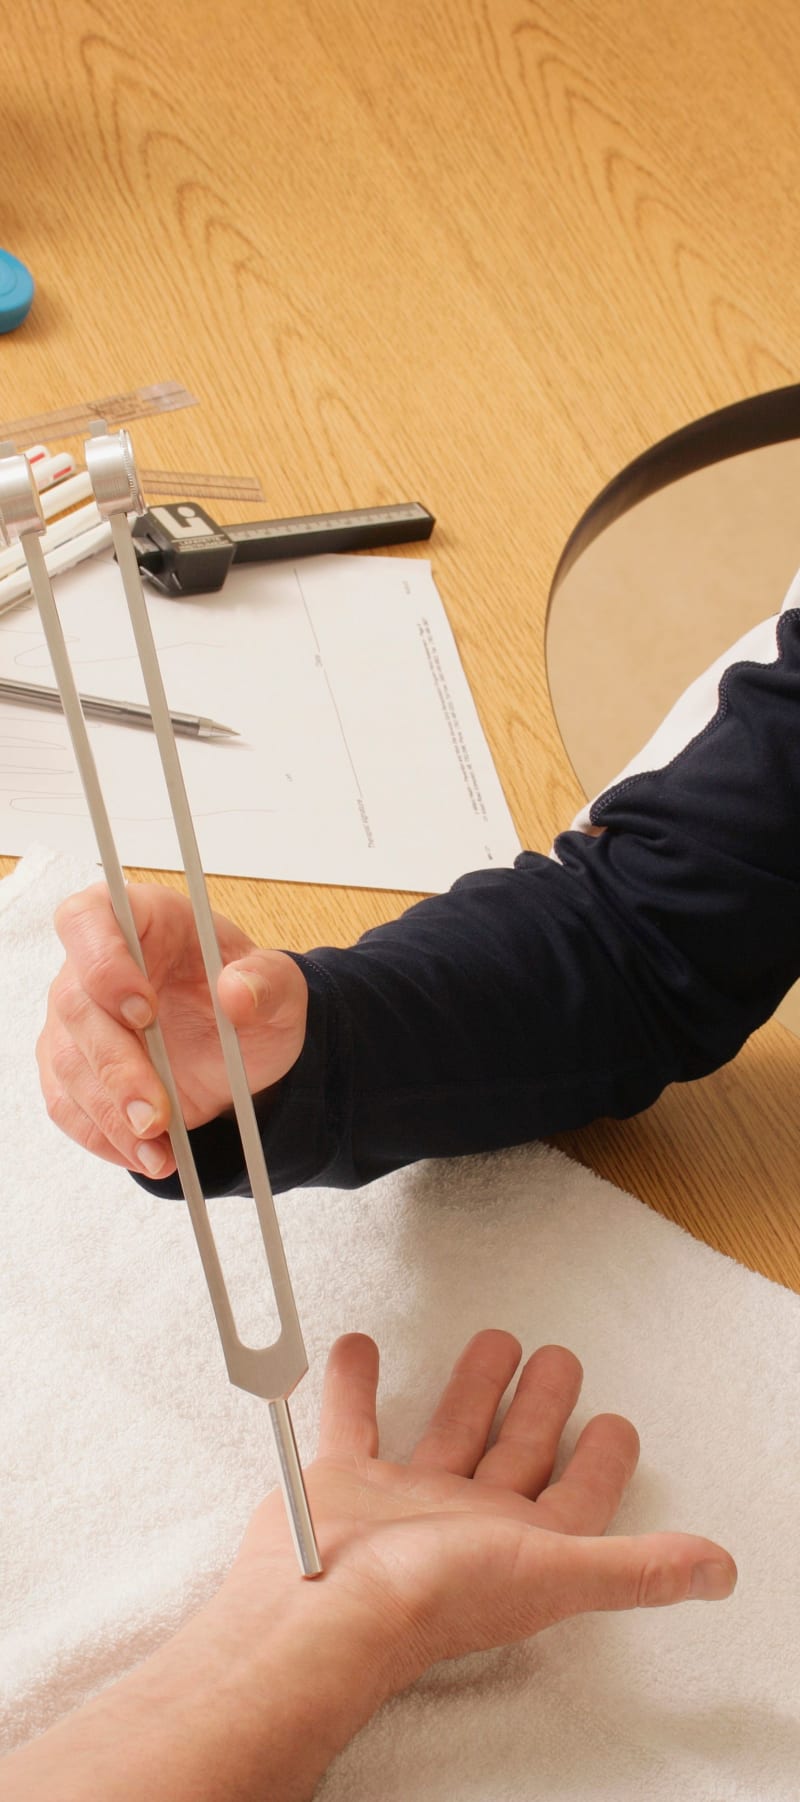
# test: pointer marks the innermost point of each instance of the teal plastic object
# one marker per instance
(16, 291)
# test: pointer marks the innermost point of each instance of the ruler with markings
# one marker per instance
(186, 484)
(183, 550)
(312, 534)
(66, 422)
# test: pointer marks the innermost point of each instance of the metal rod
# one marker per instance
(294, 1490)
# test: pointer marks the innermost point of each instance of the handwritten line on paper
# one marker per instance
(328, 683)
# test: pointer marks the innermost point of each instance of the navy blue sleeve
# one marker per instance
(531, 1000)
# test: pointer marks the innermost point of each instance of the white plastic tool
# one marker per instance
(272, 1371)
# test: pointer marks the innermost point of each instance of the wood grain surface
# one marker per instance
(479, 254)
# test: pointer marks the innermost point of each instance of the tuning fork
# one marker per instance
(271, 1372)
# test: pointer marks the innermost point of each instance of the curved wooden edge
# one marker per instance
(747, 425)
(714, 1156)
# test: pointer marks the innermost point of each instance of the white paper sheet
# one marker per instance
(362, 759)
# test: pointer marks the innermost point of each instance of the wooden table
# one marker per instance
(480, 254)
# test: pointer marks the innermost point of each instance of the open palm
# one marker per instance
(469, 1546)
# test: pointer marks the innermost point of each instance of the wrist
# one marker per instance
(232, 1708)
(311, 1624)
(300, 1684)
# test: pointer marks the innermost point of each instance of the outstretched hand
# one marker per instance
(470, 1544)
(467, 1546)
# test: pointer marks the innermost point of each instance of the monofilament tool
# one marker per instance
(273, 1371)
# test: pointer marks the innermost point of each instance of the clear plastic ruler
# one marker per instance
(117, 409)
(186, 485)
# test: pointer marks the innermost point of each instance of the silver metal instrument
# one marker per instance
(126, 713)
(273, 1371)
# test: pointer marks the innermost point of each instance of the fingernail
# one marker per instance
(136, 1011)
(150, 1158)
(141, 1115)
(711, 1582)
(255, 984)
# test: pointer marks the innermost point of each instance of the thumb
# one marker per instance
(263, 987)
(649, 1570)
(490, 1581)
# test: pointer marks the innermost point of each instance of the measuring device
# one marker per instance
(184, 551)
(272, 1371)
(66, 422)
(190, 482)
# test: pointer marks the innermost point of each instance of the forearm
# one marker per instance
(533, 1000)
(212, 1717)
(485, 1017)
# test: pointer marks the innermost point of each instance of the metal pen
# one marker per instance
(129, 713)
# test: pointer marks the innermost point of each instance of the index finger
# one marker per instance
(102, 964)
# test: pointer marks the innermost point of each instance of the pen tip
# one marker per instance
(219, 731)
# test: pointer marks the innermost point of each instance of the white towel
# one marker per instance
(130, 1466)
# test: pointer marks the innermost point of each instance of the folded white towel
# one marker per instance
(130, 1465)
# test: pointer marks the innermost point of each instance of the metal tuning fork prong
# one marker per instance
(273, 1371)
